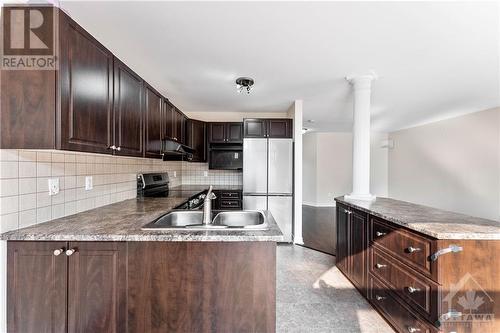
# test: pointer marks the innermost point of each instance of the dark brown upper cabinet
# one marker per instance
(128, 111)
(153, 122)
(225, 132)
(196, 134)
(268, 128)
(86, 91)
(80, 291)
(175, 123)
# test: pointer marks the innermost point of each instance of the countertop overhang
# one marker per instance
(122, 221)
(437, 223)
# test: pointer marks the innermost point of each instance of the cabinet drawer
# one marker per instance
(407, 246)
(419, 292)
(395, 312)
(231, 204)
(230, 195)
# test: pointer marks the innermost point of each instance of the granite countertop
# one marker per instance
(430, 221)
(122, 221)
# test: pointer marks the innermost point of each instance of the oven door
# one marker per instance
(226, 159)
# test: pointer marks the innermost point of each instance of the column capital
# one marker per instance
(362, 81)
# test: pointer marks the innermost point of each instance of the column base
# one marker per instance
(360, 197)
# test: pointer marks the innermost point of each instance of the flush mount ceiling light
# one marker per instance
(244, 84)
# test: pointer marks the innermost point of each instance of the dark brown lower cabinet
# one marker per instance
(411, 278)
(352, 247)
(80, 291)
(36, 287)
(141, 287)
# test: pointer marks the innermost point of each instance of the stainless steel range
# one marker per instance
(158, 185)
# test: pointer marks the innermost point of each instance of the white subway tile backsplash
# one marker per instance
(9, 187)
(27, 218)
(43, 214)
(9, 205)
(9, 222)
(27, 201)
(24, 176)
(9, 169)
(27, 185)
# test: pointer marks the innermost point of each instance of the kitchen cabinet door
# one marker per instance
(168, 120)
(36, 287)
(279, 128)
(234, 132)
(358, 249)
(342, 239)
(97, 287)
(255, 128)
(179, 125)
(153, 119)
(196, 139)
(128, 111)
(217, 132)
(86, 91)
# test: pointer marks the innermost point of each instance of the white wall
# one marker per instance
(451, 164)
(328, 174)
(295, 112)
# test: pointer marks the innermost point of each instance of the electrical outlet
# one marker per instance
(205, 173)
(53, 186)
(88, 183)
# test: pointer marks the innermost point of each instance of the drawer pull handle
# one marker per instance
(412, 249)
(413, 329)
(448, 315)
(70, 252)
(380, 266)
(412, 290)
(380, 298)
(58, 252)
(379, 233)
(452, 248)
(348, 212)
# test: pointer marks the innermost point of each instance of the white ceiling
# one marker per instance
(435, 60)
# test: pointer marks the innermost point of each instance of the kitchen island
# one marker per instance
(424, 269)
(98, 271)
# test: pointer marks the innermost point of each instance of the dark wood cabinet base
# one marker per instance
(141, 287)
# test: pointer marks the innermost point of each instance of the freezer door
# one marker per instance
(280, 166)
(254, 202)
(281, 207)
(255, 166)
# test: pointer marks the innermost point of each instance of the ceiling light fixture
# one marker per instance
(244, 83)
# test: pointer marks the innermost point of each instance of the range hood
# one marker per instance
(171, 147)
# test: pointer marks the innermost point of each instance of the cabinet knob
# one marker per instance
(412, 249)
(380, 266)
(413, 329)
(412, 290)
(379, 233)
(118, 148)
(113, 147)
(70, 252)
(348, 212)
(379, 298)
(58, 252)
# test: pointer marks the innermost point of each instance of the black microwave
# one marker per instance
(226, 158)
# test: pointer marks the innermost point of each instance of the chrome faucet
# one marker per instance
(207, 206)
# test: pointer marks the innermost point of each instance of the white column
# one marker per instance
(361, 138)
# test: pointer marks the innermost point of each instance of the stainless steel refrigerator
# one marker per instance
(268, 179)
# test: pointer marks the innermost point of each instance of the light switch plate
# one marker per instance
(205, 173)
(53, 186)
(88, 183)
(175, 174)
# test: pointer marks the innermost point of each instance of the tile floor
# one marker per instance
(313, 296)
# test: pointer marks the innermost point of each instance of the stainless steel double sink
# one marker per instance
(225, 220)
